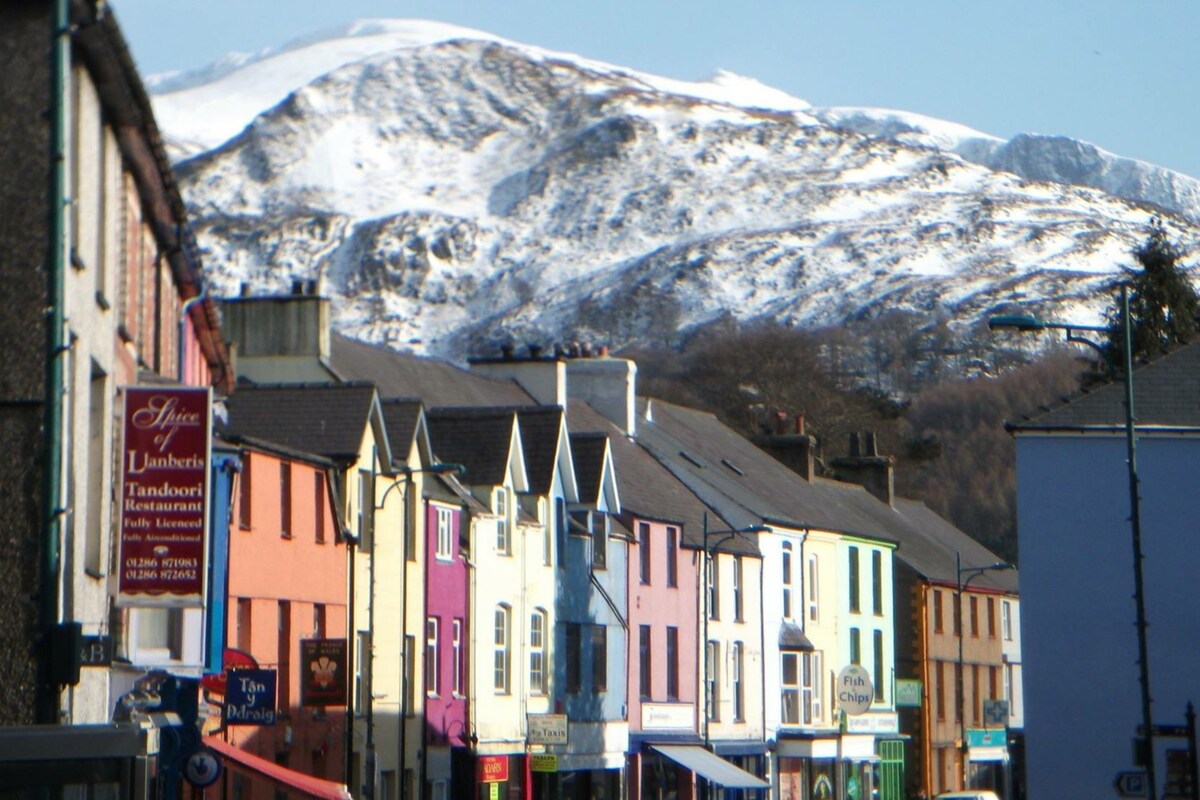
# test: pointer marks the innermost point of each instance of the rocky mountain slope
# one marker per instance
(450, 189)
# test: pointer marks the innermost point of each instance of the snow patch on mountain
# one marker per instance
(449, 189)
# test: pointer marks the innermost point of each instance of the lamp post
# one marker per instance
(960, 586)
(1028, 323)
(405, 479)
(710, 579)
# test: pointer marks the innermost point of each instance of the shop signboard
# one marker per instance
(908, 693)
(660, 716)
(493, 769)
(323, 672)
(163, 504)
(250, 697)
(878, 722)
(546, 728)
(543, 762)
(854, 690)
(96, 651)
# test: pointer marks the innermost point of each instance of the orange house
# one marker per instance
(287, 583)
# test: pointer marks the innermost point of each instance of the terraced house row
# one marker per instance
(248, 557)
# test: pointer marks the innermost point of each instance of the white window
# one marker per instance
(801, 684)
(537, 652)
(737, 588)
(445, 533)
(500, 654)
(787, 580)
(456, 644)
(736, 666)
(813, 590)
(362, 663)
(1006, 619)
(500, 507)
(714, 680)
(790, 684)
(811, 687)
(433, 663)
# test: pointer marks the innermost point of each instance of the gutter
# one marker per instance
(46, 708)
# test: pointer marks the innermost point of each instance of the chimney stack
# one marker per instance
(797, 451)
(864, 466)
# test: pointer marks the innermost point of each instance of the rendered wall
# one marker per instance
(1082, 699)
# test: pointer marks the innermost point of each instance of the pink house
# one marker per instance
(287, 583)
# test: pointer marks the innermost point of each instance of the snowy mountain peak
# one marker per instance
(453, 189)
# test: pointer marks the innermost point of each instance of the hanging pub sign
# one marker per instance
(323, 672)
(164, 496)
(250, 697)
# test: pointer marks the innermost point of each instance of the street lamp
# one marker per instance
(710, 579)
(405, 479)
(972, 573)
(1028, 323)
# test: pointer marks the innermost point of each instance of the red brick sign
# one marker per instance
(164, 496)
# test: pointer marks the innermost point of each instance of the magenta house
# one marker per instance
(447, 732)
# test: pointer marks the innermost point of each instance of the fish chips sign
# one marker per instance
(164, 496)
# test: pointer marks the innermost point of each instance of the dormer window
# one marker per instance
(500, 507)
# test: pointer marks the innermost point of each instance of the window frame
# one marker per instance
(444, 547)
(500, 509)
(644, 564)
(672, 556)
(537, 652)
(433, 657)
(502, 649)
(854, 580)
(598, 637)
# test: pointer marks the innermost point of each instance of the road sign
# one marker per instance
(1131, 783)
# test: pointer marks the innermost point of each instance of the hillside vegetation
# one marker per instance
(945, 429)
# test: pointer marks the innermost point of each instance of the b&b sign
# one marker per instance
(250, 697)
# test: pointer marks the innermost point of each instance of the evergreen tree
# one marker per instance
(1163, 305)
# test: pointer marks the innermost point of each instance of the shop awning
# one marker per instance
(288, 778)
(709, 766)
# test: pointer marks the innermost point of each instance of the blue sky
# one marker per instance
(1116, 73)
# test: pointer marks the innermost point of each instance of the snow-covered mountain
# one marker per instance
(450, 188)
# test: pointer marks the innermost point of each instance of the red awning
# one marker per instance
(289, 778)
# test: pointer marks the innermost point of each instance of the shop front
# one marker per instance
(827, 768)
(988, 760)
(711, 770)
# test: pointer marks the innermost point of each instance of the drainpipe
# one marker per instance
(46, 704)
(183, 315)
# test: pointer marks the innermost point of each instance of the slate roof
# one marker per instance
(1166, 394)
(478, 438)
(540, 429)
(648, 489)
(322, 418)
(746, 485)
(434, 382)
(587, 452)
(400, 416)
(928, 544)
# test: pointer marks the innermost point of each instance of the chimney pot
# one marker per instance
(855, 446)
(602, 351)
(800, 424)
(869, 444)
(780, 422)
(586, 349)
(535, 350)
(311, 287)
(506, 350)
(244, 289)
